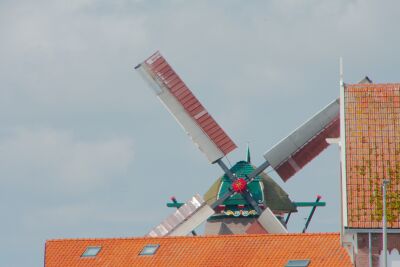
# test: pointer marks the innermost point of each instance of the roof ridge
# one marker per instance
(198, 237)
(372, 84)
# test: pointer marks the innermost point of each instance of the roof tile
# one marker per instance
(372, 125)
(323, 249)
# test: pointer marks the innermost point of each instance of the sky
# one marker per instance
(87, 150)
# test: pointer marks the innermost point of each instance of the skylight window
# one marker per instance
(91, 252)
(149, 250)
(297, 263)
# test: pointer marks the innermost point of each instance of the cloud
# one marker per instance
(58, 161)
(53, 179)
(53, 48)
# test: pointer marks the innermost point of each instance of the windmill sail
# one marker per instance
(267, 223)
(185, 219)
(305, 143)
(270, 223)
(186, 108)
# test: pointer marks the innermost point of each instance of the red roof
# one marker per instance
(322, 249)
(372, 125)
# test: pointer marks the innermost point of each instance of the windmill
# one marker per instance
(287, 157)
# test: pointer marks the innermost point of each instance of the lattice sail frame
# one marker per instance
(186, 108)
(185, 219)
(305, 143)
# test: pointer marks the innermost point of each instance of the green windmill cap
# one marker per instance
(274, 196)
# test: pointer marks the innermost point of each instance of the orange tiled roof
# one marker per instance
(323, 249)
(372, 125)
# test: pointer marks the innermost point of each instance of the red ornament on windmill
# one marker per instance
(239, 185)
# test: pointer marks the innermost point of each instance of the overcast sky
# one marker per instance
(86, 149)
